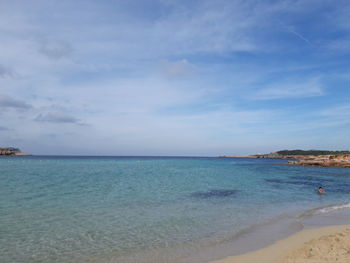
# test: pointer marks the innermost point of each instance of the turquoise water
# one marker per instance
(110, 209)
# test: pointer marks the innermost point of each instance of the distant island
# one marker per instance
(322, 158)
(11, 151)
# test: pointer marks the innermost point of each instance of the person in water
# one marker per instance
(320, 190)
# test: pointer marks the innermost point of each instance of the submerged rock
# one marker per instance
(215, 193)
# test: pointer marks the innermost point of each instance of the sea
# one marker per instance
(73, 209)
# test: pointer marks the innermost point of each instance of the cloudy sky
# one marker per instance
(184, 77)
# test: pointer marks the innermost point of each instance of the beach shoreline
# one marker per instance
(322, 244)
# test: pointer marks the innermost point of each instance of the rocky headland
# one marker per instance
(319, 158)
(324, 161)
(10, 151)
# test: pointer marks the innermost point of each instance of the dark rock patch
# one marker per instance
(294, 182)
(215, 193)
(311, 178)
(278, 181)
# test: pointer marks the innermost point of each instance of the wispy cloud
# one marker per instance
(336, 112)
(57, 118)
(292, 30)
(55, 49)
(6, 72)
(288, 90)
(336, 45)
(179, 68)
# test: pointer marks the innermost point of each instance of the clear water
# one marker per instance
(121, 209)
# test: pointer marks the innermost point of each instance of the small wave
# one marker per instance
(325, 210)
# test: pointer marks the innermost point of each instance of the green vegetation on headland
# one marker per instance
(311, 152)
(11, 151)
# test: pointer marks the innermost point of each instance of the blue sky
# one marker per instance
(174, 77)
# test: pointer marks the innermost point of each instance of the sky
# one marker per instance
(162, 77)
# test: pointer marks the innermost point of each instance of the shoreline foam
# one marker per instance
(322, 245)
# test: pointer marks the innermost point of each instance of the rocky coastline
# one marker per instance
(320, 160)
(324, 161)
(11, 151)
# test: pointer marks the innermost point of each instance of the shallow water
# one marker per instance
(142, 209)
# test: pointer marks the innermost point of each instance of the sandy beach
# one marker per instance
(318, 245)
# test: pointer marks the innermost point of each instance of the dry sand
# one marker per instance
(319, 245)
